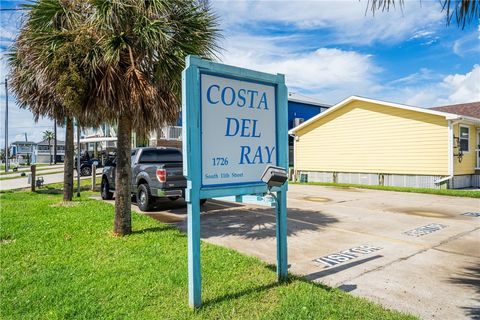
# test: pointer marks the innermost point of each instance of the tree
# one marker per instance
(115, 61)
(44, 70)
(463, 11)
(136, 62)
(48, 135)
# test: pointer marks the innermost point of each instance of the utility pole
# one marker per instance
(6, 125)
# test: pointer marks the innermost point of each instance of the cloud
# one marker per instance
(467, 45)
(327, 73)
(10, 22)
(451, 89)
(348, 20)
(423, 75)
(464, 87)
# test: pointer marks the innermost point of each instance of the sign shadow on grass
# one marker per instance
(239, 294)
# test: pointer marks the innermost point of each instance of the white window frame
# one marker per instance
(460, 138)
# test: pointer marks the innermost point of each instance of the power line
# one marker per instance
(14, 9)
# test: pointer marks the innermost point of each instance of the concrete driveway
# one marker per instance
(412, 252)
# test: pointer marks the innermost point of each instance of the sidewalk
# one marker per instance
(42, 169)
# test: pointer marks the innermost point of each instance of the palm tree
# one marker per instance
(42, 76)
(139, 53)
(49, 136)
(464, 11)
(116, 61)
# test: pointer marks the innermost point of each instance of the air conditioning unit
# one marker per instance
(297, 121)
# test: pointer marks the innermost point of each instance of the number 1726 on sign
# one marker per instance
(220, 161)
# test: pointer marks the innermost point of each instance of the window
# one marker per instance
(132, 156)
(160, 155)
(464, 139)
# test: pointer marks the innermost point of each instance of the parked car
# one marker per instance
(156, 173)
(86, 166)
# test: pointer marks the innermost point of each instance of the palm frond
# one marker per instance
(99, 60)
(462, 11)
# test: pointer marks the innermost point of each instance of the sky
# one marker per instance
(328, 50)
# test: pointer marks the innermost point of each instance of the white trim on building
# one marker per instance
(295, 97)
(341, 104)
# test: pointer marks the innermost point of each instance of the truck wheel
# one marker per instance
(106, 194)
(85, 171)
(144, 198)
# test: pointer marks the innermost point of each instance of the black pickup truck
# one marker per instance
(156, 173)
(86, 166)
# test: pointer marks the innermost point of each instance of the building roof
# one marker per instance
(23, 142)
(471, 109)
(45, 143)
(295, 97)
(341, 104)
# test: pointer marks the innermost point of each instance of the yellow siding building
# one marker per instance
(369, 141)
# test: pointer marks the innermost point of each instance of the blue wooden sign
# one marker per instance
(234, 125)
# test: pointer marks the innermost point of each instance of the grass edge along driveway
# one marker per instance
(61, 261)
(440, 192)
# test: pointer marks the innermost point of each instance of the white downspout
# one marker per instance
(450, 154)
(450, 149)
(294, 156)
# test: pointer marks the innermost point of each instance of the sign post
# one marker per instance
(234, 125)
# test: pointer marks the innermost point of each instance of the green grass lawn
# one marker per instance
(442, 192)
(61, 261)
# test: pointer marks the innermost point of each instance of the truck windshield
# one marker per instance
(160, 156)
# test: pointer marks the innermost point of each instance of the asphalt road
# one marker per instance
(412, 252)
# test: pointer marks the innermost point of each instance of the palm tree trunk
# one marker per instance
(68, 162)
(123, 177)
(55, 142)
(50, 150)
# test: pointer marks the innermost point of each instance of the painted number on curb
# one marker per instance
(472, 214)
(346, 255)
(421, 231)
